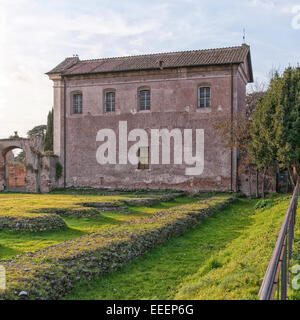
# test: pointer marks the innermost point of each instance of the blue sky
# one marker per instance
(35, 35)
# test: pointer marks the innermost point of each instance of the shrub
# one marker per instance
(32, 223)
(264, 204)
(48, 153)
(71, 212)
(59, 170)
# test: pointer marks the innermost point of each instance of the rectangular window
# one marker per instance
(143, 158)
(204, 98)
(110, 101)
(77, 103)
(144, 102)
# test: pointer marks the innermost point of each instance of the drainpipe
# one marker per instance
(65, 134)
(231, 118)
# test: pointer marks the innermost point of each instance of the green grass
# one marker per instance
(295, 294)
(224, 257)
(17, 204)
(14, 243)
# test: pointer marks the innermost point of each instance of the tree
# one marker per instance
(49, 133)
(287, 121)
(37, 131)
(263, 149)
(252, 100)
(236, 133)
(21, 157)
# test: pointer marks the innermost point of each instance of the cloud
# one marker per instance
(280, 6)
(34, 41)
(296, 19)
(266, 4)
(36, 35)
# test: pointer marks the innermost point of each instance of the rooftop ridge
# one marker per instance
(162, 53)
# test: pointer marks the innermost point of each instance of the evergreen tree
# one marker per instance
(263, 148)
(287, 121)
(49, 133)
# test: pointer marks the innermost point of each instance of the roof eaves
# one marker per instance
(64, 65)
(147, 69)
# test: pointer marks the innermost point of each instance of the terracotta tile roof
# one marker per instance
(74, 66)
(65, 65)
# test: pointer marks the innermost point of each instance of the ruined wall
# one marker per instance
(248, 182)
(32, 148)
(16, 173)
(48, 179)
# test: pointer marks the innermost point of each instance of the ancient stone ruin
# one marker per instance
(40, 173)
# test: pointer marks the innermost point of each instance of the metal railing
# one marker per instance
(276, 281)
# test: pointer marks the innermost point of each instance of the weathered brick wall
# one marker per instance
(16, 175)
(83, 169)
(15, 172)
(173, 105)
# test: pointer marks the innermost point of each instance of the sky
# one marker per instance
(36, 35)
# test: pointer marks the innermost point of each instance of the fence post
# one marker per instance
(284, 272)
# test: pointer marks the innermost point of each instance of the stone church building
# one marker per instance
(167, 92)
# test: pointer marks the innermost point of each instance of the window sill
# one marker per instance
(204, 110)
(109, 113)
(76, 115)
(143, 111)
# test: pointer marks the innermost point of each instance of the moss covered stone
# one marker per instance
(33, 223)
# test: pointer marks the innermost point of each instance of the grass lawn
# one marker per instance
(224, 257)
(295, 294)
(14, 243)
(52, 272)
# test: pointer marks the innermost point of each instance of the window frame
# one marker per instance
(206, 100)
(140, 90)
(76, 109)
(144, 166)
(105, 93)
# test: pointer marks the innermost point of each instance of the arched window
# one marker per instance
(204, 97)
(76, 102)
(109, 101)
(144, 99)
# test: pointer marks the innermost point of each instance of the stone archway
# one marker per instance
(32, 148)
